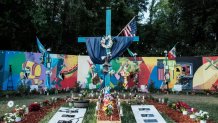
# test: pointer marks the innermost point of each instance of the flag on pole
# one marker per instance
(130, 29)
(40, 46)
(172, 53)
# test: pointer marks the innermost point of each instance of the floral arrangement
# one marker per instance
(182, 106)
(202, 115)
(9, 117)
(34, 106)
(108, 104)
(19, 111)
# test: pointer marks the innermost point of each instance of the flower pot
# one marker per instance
(17, 119)
(203, 121)
(184, 112)
(70, 104)
(192, 116)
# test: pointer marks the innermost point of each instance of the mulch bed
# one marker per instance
(36, 116)
(103, 117)
(177, 116)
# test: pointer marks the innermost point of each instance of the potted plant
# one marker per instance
(81, 102)
(184, 111)
(203, 116)
(192, 113)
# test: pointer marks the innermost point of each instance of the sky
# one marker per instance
(146, 14)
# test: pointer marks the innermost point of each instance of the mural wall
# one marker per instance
(187, 72)
(29, 68)
(206, 76)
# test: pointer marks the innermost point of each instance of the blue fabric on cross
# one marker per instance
(96, 51)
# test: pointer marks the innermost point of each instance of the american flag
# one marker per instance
(130, 29)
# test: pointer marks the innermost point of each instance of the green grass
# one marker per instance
(90, 114)
(128, 116)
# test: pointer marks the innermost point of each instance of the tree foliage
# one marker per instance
(58, 23)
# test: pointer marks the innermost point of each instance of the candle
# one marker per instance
(121, 111)
(96, 108)
(118, 103)
(143, 97)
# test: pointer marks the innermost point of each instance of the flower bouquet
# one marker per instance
(203, 116)
(108, 111)
(182, 106)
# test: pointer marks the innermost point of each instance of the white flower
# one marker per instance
(10, 104)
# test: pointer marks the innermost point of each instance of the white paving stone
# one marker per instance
(147, 114)
(63, 115)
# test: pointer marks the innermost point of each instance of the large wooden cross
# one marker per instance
(108, 32)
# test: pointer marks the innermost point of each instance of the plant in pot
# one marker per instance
(192, 113)
(203, 116)
(81, 102)
(184, 111)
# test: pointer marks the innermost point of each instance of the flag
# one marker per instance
(172, 53)
(40, 46)
(130, 29)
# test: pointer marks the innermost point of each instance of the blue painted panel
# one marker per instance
(154, 78)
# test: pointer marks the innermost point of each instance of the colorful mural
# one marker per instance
(122, 70)
(29, 69)
(206, 76)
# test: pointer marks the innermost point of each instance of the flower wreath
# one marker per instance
(103, 41)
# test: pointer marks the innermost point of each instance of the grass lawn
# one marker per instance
(25, 100)
(205, 103)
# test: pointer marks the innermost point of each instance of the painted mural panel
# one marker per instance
(189, 67)
(91, 76)
(206, 77)
(29, 69)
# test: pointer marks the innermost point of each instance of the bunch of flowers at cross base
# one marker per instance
(108, 104)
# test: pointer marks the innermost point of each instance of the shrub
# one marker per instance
(23, 89)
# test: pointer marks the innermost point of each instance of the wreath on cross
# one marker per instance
(106, 45)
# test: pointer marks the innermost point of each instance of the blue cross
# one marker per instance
(108, 32)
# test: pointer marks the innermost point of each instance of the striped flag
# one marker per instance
(130, 29)
(160, 70)
(161, 74)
